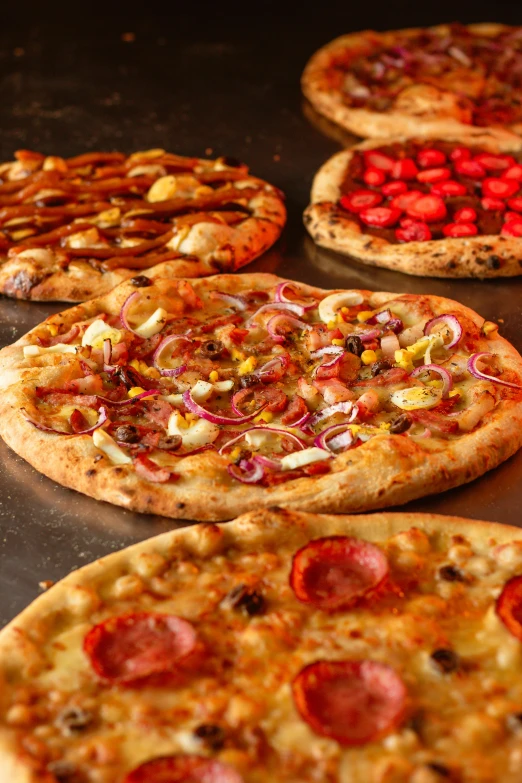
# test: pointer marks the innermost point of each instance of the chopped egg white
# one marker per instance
(300, 458)
(103, 441)
(416, 397)
(152, 325)
(199, 434)
(97, 332)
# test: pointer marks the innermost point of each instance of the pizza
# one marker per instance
(282, 646)
(202, 399)
(422, 82)
(437, 207)
(73, 228)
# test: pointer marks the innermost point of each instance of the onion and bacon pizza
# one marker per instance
(421, 82)
(440, 208)
(207, 398)
(282, 646)
(71, 229)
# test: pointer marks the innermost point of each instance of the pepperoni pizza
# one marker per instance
(438, 208)
(429, 82)
(73, 228)
(282, 646)
(202, 399)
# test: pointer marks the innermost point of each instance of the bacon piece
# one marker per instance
(296, 410)
(148, 470)
(335, 572)
(333, 391)
(346, 369)
(352, 701)
(60, 397)
(183, 769)
(158, 411)
(78, 421)
(131, 647)
(386, 378)
(509, 606)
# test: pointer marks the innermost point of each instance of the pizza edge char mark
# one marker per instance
(423, 108)
(71, 229)
(394, 175)
(338, 568)
(141, 416)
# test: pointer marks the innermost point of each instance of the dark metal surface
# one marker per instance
(223, 78)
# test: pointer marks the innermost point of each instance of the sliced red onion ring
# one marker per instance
(386, 318)
(247, 472)
(270, 372)
(141, 396)
(473, 369)
(171, 372)
(367, 337)
(395, 325)
(103, 415)
(280, 296)
(328, 349)
(107, 352)
(332, 363)
(261, 428)
(453, 324)
(447, 378)
(345, 407)
(266, 462)
(291, 309)
(66, 338)
(234, 300)
(302, 421)
(277, 320)
(336, 437)
(124, 312)
(213, 418)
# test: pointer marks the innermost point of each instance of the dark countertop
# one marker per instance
(191, 78)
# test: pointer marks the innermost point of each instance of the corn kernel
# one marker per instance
(364, 315)
(331, 325)
(53, 329)
(488, 327)
(247, 366)
(237, 355)
(214, 376)
(453, 393)
(152, 372)
(135, 391)
(337, 341)
(264, 416)
(368, 357)
(404, 359)
(384, 425)
(235, 453)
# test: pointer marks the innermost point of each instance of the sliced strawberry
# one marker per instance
(380, 217)
(449, 188)
(415, 231)
(494, 162)
(513, 228)
(378, 160)
(513, 172)
(500, 188)
(470, 168)
(431, 157)
(434, 175)
(465, 215)
(404, 200)
(460, 153)
(360, 199)
(492, 204)
(509, 216)
(460, 230)
(394, 188)
(374, 177)
(427, 208)
(404, 169)
(515, 203)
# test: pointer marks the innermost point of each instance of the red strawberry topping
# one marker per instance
(494, 162)
(431, 157)
(427, 208)
(394, 188)
(515, 203)
(500, 188)
(404, 169)
(380, 217)
(414, 231)
(492, 204)
(460, 230)
(404, 200)
(360, 199)
(449, 188)
(460, 153)
(378, 160)
(434, 175)
(512, 229)
(465, 215)
(374, 177)
(470, 168)
(513, 172)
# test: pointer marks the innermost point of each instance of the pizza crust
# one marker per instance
(421, 111)
(387, 471)
(450, 257)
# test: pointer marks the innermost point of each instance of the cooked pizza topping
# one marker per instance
(509, 606)
(183, 769)
(279, 384)
(415, 199)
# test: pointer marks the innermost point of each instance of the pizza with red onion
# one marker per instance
(202, 398)
(282, 646)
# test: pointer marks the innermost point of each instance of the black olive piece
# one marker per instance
(234, 163)
(440, 769)
(445, 660)
(354, 344)
(128, 377)
(74, 719)
(379, 366)
(514, 722)
(211, 735)
(212, 349)
(451, 574)
(63, 771)
(248, 380)
(400, 424)
(141, 281)
(170, 442)
(126, 433)
(250, 601)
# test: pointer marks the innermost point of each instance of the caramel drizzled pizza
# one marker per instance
(440, 208)
(282, 646)
(199, 399)
(430, 82)
(71, 229)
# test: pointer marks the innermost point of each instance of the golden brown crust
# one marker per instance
(421, 110)
(450, 257)
(386, 471)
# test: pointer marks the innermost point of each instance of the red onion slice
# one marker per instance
(290, 309)
(453, 324)
(261, 428)
(171, 372)
(332, 363)
(277, 320)
(213, 418)
(234, 300)
(336, 437)
(65, 338)
(473, 369)
(367, 337)
(266, 462)
(345, 407)
(247, 472)
(337, 350)
(103, 415)
(270, 372)
(280, 296)
(124, 312)
(107, 352)
(447, 378)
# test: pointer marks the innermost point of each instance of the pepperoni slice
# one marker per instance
(380, 217)
(404, 169)
(352, 702)
(133, 646)
(460, 230)
(509, 606)
(434, 175)
(360, 199)
(374, 177)
(500, 188)
(334, 572)
(183, 769)
(427, 208)
(431, 157)
(449, 188)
